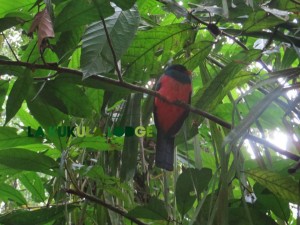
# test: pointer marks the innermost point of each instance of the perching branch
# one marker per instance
(145, 91)
(106, 205)
(119, 84)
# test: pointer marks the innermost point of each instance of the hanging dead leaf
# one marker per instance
(43, 24)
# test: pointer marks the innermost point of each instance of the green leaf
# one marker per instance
(260, 20)
(13, 19)
(45, 114)
(15, 6)
(68, 98)
(95, 97)
(124, 4)
(6, 173)
(81, 12)
(48, 116)
(284, 187)
(34, 185)
(9, 138)
(252, 116)
(238, 216)
(152, 49)
(37, 217)
(268, 201)
(23, 159)
(67, 43)
(26, 118)
(189, 185)
(8, 193)
(9, 69)
(18, 94)
(97, 143)
(4, 84)
(131, 118)
(96, 56)
(154, 210)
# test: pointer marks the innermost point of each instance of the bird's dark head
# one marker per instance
(179, 72)
(179, 68)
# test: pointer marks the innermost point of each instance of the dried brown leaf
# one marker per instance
(43, 24)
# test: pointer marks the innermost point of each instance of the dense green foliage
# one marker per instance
(84, 77)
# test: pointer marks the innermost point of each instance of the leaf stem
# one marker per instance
(109, 43)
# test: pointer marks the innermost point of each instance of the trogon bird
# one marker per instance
(174, 85)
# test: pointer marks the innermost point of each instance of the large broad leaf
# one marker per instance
(266, 200)
(15, 6)
(67, 43)
(68, 98)
(152, 49)
(96, 56)
(13, 19)
(6, 172)
(154, 210)
(9, 138)
(23, 159)
(8, 193)
(124, 4)
(238, 216)
(34, 185)
(45, 114)
(26, 118)
(284, 187)
(95, 97)
(39, 216)
(81, 12)
(97, 143)
(260, 20)
(10, 70)
(18, 94)
(191, 181)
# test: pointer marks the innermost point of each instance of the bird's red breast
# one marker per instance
(172, 89)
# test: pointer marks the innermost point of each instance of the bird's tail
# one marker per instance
(164, 152)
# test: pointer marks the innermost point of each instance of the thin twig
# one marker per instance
(109, 43)
(11, 49)
(106, 205)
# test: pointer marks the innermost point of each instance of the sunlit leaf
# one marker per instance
(9, 193)
(23, 159)
(282, 186)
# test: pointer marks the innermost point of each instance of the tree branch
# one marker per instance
(149, 92)
(119, 84)
(106, 205)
